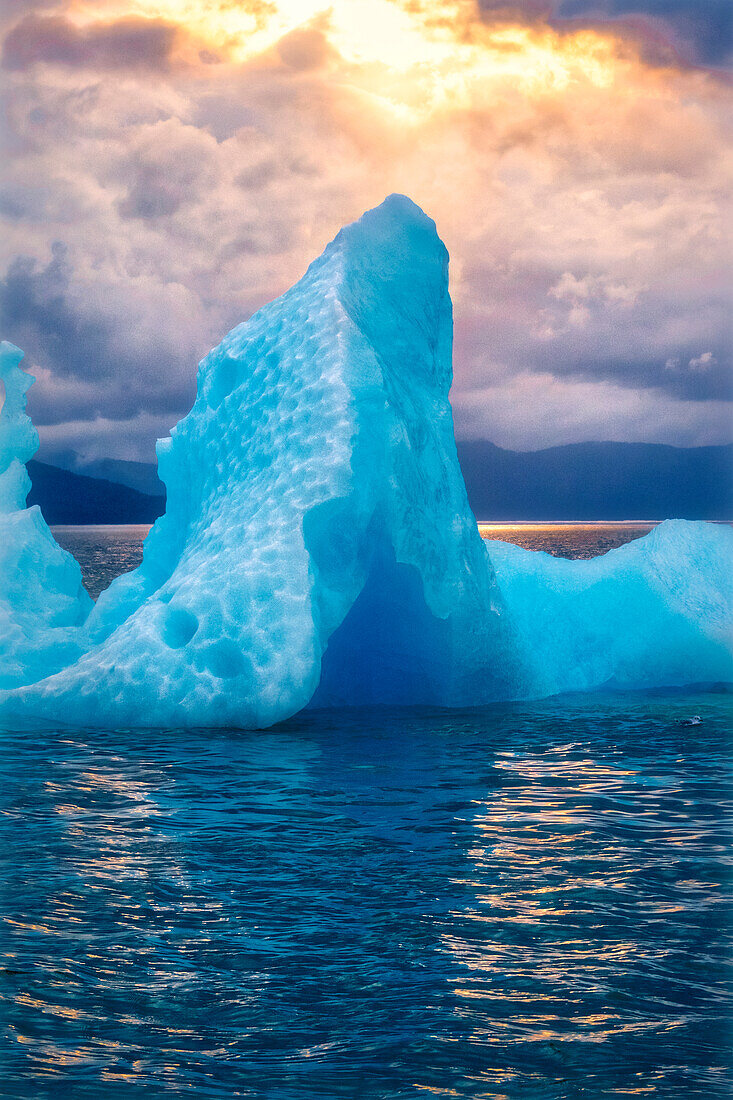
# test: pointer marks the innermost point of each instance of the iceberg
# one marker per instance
(657, 612)
(318, 548)
(43, 603)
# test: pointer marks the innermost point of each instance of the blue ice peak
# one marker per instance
(18, 437)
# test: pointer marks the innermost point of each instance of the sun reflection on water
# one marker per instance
(566, 852)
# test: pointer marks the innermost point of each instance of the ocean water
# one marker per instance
(567, 540)
(517, 901)
(104, 551)
(524, 900)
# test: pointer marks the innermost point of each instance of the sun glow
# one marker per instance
(412, 59)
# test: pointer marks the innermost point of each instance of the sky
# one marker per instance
(172, 165)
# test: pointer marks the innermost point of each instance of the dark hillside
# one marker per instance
(73, 498)
(597, 481)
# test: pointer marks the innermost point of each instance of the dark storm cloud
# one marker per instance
(601, 328)
(690, 374)
(632, 345)
(132, 43)
(36, 313)
(691, 370)
(700, 30)
(86, 354)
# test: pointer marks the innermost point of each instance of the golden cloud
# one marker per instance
(416, 58)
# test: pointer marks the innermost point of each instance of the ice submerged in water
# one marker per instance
(318, 547)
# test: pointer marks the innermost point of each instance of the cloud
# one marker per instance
(305, 48)
(531, 411)
(700, 30)
(35, 310)
(88, 357)
(165, 165)
(699, 364)
(131, 43)
(703, 362)
(579, 190)
(99, 437)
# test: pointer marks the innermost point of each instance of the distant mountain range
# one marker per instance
(65, 497)
(578, 481)
(596, 481)
(142, 476)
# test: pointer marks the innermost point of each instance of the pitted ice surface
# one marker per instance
(317, 539)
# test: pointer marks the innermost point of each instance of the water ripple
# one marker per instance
(521, 901)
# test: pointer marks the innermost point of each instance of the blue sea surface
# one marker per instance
(524, 900)
(521, 901)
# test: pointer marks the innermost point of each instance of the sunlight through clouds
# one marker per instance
(178, 163)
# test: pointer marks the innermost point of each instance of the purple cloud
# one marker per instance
(132, 43)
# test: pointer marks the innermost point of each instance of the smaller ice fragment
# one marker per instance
(42, 600)
(656, 612)
(18, 437)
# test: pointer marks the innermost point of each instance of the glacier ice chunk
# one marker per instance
(318, 547)
(42, 600)
(655, 612)
(317, 543)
